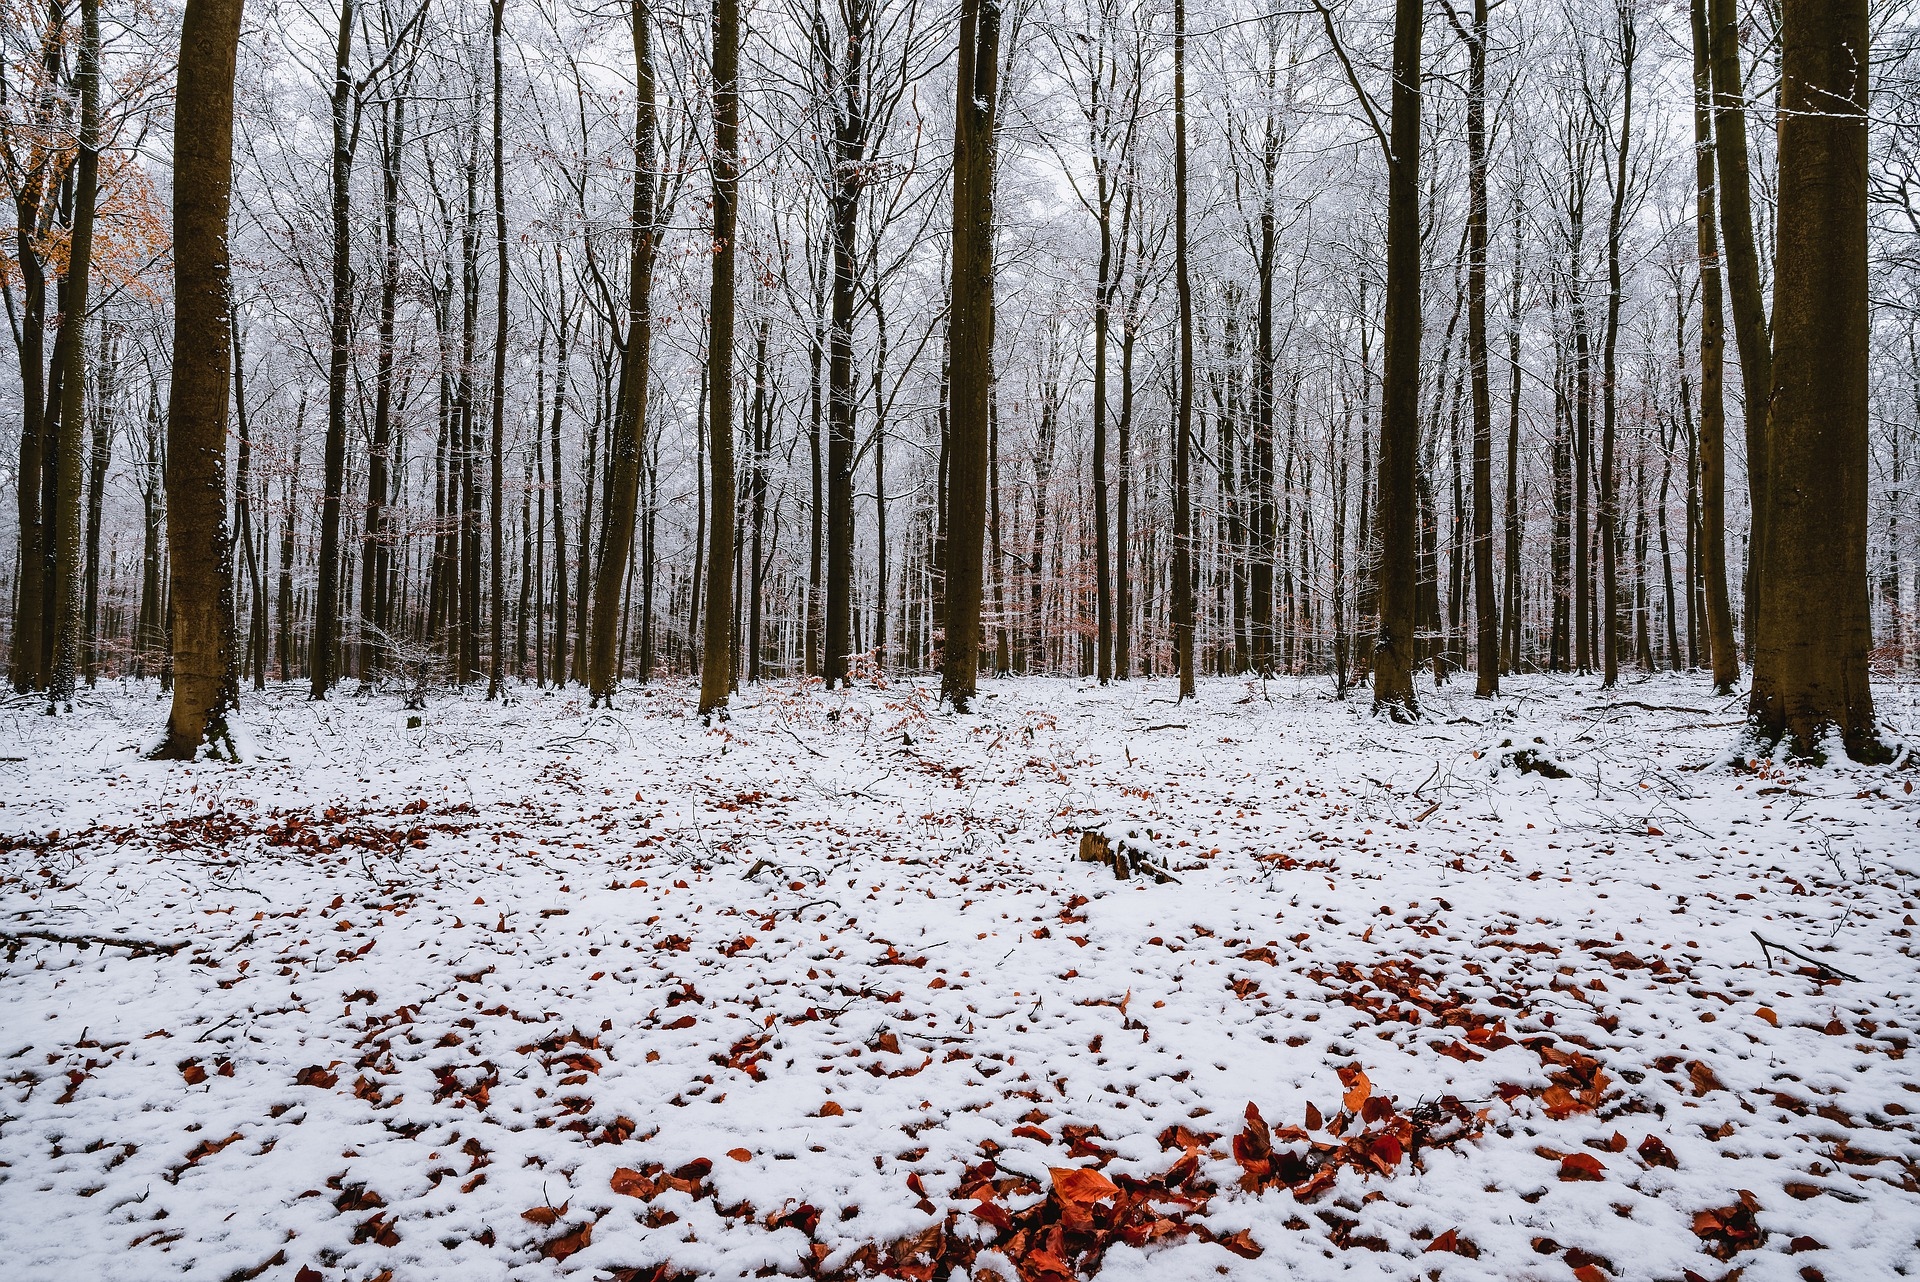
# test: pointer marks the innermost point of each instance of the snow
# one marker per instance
(430, 981)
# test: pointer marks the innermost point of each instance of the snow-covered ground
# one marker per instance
(536, 991)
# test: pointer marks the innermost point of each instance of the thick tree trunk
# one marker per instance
(202, 593)
(971, 337)
(628, 441)
(1397, 516)
(1810, 670)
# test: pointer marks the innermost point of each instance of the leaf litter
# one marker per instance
(823, 990)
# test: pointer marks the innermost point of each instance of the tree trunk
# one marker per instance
(1810, 670)
(1609, 495)
(1713, 414)
(1486, 612)
(376, 550)
(1396, 502)
(99, 454)
(202, 593)
(70, 352)
(1182, 602)
(497, 603)
(326, 632)
(716, 667)
(971, 337)
(628, 440)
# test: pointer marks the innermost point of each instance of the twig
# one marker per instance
(137, 947)
(1767, 944)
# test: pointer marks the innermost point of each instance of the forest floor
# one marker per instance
(536, 991)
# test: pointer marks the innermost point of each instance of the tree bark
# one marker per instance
(971, 337)
(326, 623)
(629, 438)
(1810, 669)
(497, 603)
(1182, 604)
(1724, 658)
(202, 593)
(1743, 286)
(1486, 612)
(1609, 364)
(70, 352)
(1396, 503)
(716, 667)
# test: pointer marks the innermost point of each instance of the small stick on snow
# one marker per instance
(1767, 944)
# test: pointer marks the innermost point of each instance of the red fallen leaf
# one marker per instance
(1704, 1078)
(1032, 1133)
(631, 1183)
(831, 1109)
(1314, 1120)
(207, 1148)
(1651, 832)
(193, 1072)
(1591, 1272)
(308, 1273)
(1358, 1087)
(315, 1075)
(1581, 1166)
(1725, 1231)
(1042, 1266)
(1241, 1243)
(1448, 1241)
(685, 1021)
(1654, 1152)
(568, 1243)
(544, 1215)
(740, 1154)
(688, 1178)
(1080, 1185)
(993, 1213)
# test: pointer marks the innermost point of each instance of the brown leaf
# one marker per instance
(1080, 1185)
(1654, 1152)
(1581, 1166)
(631, 1183)
(1357, 1087)
(568, 1243)
(1704, 1078)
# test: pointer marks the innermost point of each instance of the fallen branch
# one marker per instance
(138, 947)
(1767, 944)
